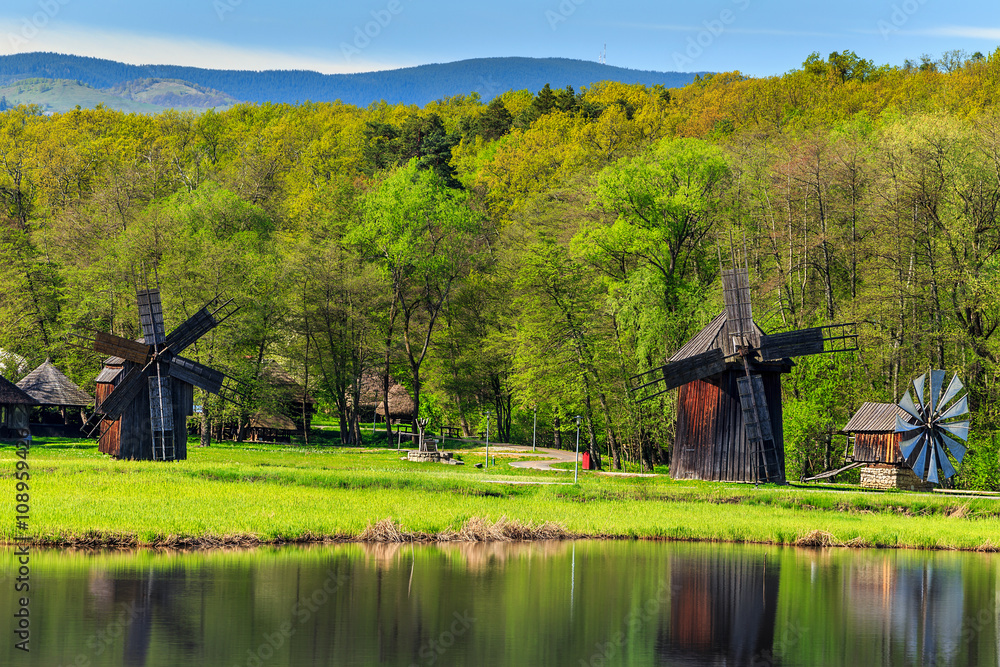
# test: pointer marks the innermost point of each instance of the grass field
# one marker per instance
(229, 494)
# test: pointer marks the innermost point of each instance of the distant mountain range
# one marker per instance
(193, 87)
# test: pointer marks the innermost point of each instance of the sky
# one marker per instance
(756, 37)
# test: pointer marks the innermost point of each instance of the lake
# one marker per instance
(583, 603)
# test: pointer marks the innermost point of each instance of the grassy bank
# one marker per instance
(259, 494)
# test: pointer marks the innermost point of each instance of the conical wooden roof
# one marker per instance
(11, 394)
(47, 385)
(715, 335)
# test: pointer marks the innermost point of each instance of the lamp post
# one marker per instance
(576, 461)
(534, 429)
(487, 438)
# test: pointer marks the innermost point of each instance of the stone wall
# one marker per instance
(892, 477)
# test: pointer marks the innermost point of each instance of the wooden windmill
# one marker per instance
(729, 417)
(145, 391)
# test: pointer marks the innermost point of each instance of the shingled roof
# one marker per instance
(715, 335)
(876, 418)
(11, 394)
(47, 385)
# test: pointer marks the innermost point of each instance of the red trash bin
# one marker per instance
(586, 461)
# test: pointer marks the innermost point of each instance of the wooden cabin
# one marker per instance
(371, 406)
(873, 440)
(62, 404)
(287, 409)
(131, 436)
(711, 442)
(14, 407)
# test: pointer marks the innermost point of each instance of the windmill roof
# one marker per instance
(11, 394)
(715, 335)
(875, 418)
(108, 375)
(47, 385)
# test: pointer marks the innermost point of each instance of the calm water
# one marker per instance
(589, 603)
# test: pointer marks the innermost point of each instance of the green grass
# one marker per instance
(282, 493)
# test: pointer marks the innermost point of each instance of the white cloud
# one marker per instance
(968, 32)
(138, 49)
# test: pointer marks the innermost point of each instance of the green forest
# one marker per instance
(533, 253)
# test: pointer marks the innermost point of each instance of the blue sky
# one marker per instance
(754, 36)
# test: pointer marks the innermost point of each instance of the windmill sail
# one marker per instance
(151, 316)
(929, 443)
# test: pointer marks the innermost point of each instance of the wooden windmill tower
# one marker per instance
(145, 391)
(729, 416)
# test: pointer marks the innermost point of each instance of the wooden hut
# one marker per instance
(14, 407)
(58, 398)
(711, 441)
(872, 439)
(131, 436)
(401, 405)
(287, 411)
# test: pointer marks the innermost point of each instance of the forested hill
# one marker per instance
(488, 77)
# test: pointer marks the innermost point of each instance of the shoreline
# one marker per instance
(475, 530)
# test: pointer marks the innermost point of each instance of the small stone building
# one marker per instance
(874, 441)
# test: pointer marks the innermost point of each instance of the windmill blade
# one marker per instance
(116, 346)
(161, 409)
(909, 446)
(956, 448)
(918, 385)
(918, 458)
(151, 316)
(736, 295)
(909, 408)
(196, 374)
(932, 464)
(904, 426)
(116, 402)
(954, 387)
(937, 381)
(960, 408)
(758, 426)
(191, 330)
(957, 429)
(792, 344)
(161, 416)
(942, 458)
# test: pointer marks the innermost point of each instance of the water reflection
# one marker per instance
(586, 603)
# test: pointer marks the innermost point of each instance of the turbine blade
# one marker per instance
(919, 462)
(918, 385)
(908, 447)
(956, 448)
(951, 392)
(937, 381)
(960, 408)
(957, 429)
(942, 457)
(120, 397)
(909, 408)
(932, 466)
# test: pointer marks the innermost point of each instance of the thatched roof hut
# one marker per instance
(401, 404)
(47, 385)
